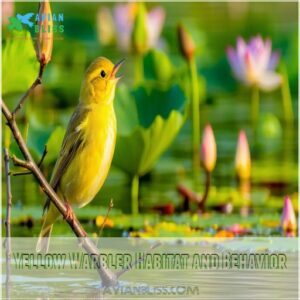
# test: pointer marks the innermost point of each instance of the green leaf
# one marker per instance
(158, 66)
(148, 122)
(20, 66)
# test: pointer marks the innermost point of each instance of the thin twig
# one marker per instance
(107, 276)
(7, 221)
(43, 156)
(21, 163)
(37, 82)
(111, 205)
(39, 164)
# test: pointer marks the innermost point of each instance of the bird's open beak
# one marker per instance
(116, 68)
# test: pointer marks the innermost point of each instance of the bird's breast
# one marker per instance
(93, 162)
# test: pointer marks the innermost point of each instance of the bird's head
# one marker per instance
(100, 81)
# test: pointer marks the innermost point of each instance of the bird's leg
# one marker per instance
(69, 214)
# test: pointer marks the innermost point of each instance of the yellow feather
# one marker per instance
(89, 168)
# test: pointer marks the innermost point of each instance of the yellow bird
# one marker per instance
(88, 146)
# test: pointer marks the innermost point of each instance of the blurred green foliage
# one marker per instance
(148, 121)
(20, 67)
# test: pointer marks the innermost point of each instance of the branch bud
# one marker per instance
(45, 38)
(186, 43)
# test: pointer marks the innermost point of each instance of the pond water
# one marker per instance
(218, 280)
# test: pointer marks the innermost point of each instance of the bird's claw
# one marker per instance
(69, 216)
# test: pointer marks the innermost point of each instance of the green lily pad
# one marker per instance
(148, 122)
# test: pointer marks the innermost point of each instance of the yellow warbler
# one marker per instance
(88, 146)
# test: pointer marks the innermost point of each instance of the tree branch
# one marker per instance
(37, 82)
(7, 221)
(107, 276)
(8, 193)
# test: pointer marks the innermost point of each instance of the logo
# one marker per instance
(37, 22)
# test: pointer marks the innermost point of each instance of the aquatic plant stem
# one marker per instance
(188, 196)
(286, 97)
(135, 195)
(201, 205)
(254, 104)
(195, 111)
(139, 69)
(7, 221)
(108, 277)
(245, 192)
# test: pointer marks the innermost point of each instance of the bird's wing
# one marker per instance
(73, 140)
(71, 143)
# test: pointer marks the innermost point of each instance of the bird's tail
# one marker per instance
(44, 237)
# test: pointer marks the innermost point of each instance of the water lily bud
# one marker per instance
(45, 38)
(208, 149)
(105, 26)
(186, 43)
(288, 218)
(139, 33)
(243, 157)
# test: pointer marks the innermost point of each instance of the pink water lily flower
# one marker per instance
(288, 218)
(254, 63)
(208, 149)
(124, 16)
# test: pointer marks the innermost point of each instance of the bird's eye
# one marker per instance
(102, 74)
